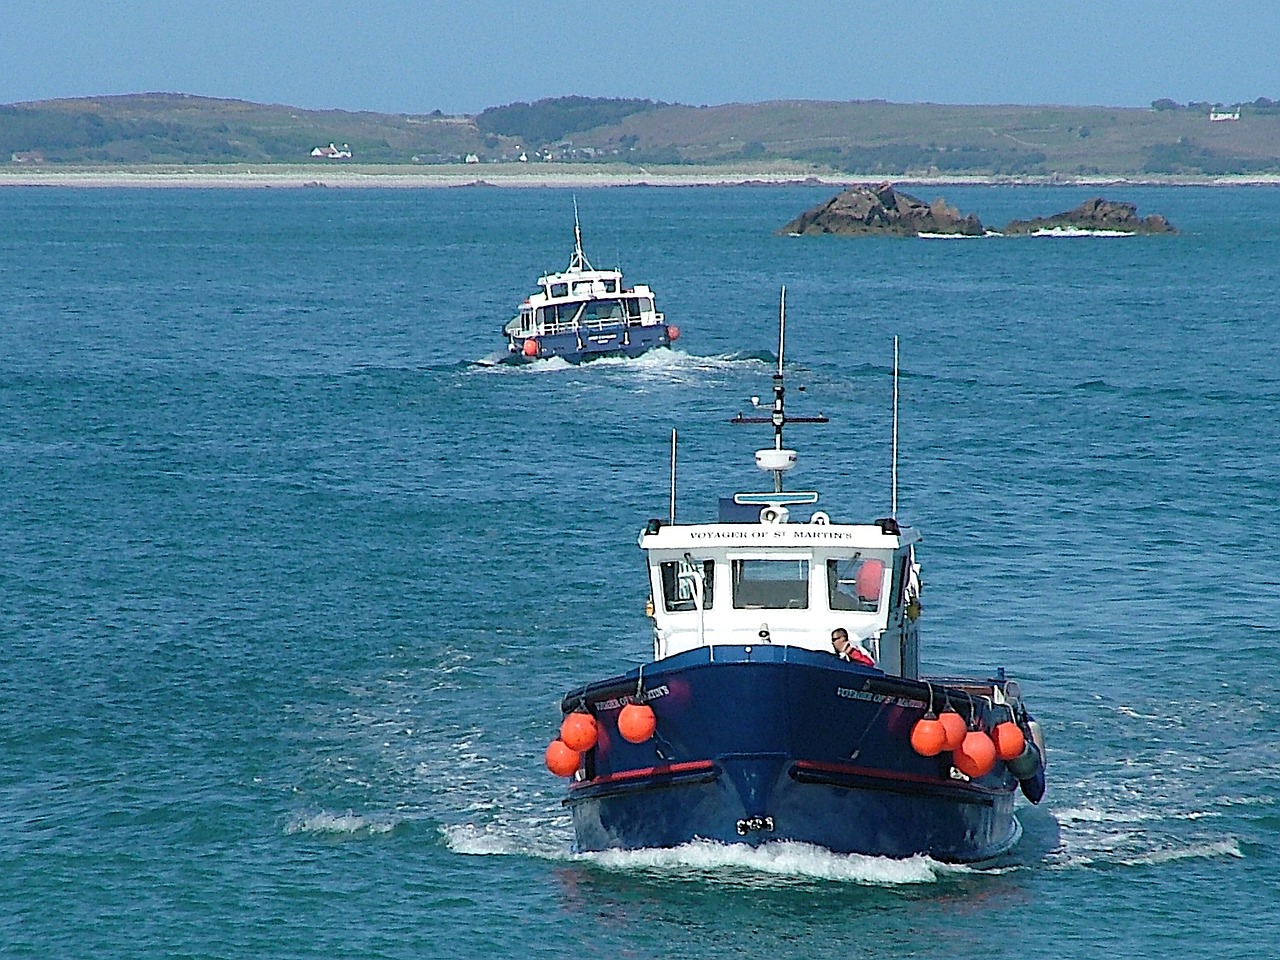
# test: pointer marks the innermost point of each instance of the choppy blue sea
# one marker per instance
(290, 585)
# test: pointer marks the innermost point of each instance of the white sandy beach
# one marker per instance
(366, 175)
(576, 176)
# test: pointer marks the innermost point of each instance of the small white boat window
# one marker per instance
(559, 289)
(855, 583)
(677, 591)
(771, 584)
(610, 286)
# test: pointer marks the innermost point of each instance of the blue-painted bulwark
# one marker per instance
(777, 743)
(609, 342)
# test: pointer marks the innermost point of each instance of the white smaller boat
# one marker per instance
(581, 313)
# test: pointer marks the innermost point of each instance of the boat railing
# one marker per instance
(569, 326)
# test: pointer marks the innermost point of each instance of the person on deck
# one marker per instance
(847, 649)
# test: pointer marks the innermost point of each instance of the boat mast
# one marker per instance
(672, 520)
(779, 417)
(579, 259)
(893, 499)
(778, 460)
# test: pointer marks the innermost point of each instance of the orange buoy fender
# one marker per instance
(636, 722)
(673, 332)
(1008, 739)
(955, 728)
(927, 736)
(579, 731)
(867, 581)
(976, 755)
(530, 348)
(561, 760)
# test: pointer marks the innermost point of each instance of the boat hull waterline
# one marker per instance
(771, 744)
(613, 341)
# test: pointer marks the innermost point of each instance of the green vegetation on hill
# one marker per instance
(857, 138)
(174, 128)
(547, 121)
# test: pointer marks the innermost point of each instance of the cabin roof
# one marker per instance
(868, 536)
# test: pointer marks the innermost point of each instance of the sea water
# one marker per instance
(291, 584)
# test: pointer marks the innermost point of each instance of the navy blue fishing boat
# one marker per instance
(784, 700)
(582, 313)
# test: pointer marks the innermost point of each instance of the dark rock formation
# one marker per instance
(870, 211)
(1095, 214)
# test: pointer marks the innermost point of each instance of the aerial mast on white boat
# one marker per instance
(778, 459)
(579, 259)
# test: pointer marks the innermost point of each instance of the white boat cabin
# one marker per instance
(582, 297)
(785, 583)
(586, 299)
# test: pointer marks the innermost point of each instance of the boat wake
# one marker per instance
(344, 824)
(1095, 837)
(705, 861)
(660, 362)
(789, 862)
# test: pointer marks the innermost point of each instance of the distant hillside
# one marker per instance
(858, 138)
(547, 121)
(175, 128)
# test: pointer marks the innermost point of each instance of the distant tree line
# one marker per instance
(551, 120)
(60, 135)
(81, 136)
(899, 157)
(1263, 105)
(1185, 157)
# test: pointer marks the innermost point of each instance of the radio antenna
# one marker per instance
(782, 326)
(777, 460)
(893, 505)
(672, 521)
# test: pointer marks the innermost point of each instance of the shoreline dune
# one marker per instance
(575, 176)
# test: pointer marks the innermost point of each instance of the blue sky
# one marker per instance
(460, 56)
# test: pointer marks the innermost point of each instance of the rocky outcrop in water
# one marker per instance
(879, 211)
(1095, 214)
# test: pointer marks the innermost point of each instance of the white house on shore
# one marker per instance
(332, 152)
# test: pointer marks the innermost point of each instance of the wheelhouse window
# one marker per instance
(771, 584)
(602, 310)
(559, 289)
(679, 583)
(855, 583)
(610, 286)
(557, 313)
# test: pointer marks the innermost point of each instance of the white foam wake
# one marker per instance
(1202, 851)
(737, 864)
(662, 360)
(344, 823)
(1078, 232)
(706, 861)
